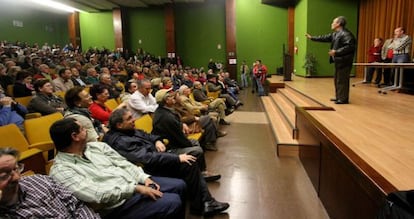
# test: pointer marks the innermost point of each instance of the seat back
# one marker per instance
(11, 136)
(212, 94)
(112, 104)
(37, 129)
(23, 100)
(191, 96)
(60, 94)
(144, 123)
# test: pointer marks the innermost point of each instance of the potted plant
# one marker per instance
(310, 64)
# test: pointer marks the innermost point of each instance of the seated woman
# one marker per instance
(45, 102)
(23, 86)
(98, 109)
(78, 101)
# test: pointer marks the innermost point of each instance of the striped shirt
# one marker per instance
(42, 197)
(101, 176)
(401, 45)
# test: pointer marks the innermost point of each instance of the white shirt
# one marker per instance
(139, 104)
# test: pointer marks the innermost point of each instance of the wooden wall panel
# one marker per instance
(231, 52)
(170, 28)
(74, 29)
(117, 22)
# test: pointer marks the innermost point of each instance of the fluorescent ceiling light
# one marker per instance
(56, 5)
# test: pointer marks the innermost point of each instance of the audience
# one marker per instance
(125, 194)
(149, 150)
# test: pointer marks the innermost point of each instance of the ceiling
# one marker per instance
(108, 5)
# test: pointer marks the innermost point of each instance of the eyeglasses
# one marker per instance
(6, 176)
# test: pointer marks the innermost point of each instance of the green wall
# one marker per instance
(147, 25)
(199, 29)
(38, 27)
(301, 27)
(317, 23)
(96, 30)
(261, 31)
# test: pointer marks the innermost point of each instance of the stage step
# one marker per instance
(280, 110)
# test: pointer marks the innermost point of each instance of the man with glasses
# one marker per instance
(36, 196)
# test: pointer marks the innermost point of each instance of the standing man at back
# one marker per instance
(341, 53)
(401, 46)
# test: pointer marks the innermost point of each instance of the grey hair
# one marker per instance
(341, 21)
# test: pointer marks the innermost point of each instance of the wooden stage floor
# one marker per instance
(377, 127)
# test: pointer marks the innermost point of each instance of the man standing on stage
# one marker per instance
(342, 54)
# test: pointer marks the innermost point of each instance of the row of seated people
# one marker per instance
(113, 187)
(165, 98)
(68, 78)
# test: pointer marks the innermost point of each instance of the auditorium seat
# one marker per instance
(30, 155)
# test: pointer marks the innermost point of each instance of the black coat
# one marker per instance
(139, 147)
(343, 42)
(167, 124)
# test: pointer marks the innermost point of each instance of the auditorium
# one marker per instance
(270, 109)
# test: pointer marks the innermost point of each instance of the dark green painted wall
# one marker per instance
(147, 25)
(39, 26)
(97, 30)
(261, 32)
(200, 28)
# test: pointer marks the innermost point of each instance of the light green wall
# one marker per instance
(320, 23)
(261, 30)
(38, 27)
(96, 30)
(199, 29)
(301, 24)
(147, 25)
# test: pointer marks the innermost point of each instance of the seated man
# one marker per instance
(167, 124)
(36, 196)
(148, 150)
(9, 112)
(217, 104)
(213, 86)
(45, 102)
(63, 82)
(142, 101)
(98, 175)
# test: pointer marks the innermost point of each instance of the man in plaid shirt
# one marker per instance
(36, 196)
